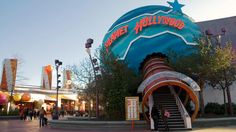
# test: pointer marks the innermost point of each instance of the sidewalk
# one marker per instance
(213, 122)
(216, 129)
(33, 126)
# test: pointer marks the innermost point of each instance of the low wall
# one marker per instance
(9, 117)
(98, 125)
(75, 123)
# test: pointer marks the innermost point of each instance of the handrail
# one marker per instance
(184, 113)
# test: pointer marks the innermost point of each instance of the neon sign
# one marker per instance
(118, 33)
(143, 23)
(164, 20)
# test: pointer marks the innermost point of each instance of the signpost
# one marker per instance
(132, 109)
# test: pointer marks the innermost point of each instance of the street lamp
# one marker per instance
(216, 36)
(57, 64)
(88, 45)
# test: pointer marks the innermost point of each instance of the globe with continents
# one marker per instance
(151, 29)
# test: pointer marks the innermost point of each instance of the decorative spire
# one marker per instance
(176, 6)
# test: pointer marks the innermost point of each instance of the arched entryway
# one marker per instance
(159, 76)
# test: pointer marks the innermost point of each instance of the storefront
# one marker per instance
(35, 98)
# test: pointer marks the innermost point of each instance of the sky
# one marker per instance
(40, 31)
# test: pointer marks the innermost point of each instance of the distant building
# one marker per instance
(215, 26)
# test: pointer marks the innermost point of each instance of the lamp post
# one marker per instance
(216, 36)
(57, 64)
(88, 45)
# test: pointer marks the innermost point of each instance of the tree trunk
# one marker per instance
(201, 99)
(229, 101)
(225, 102)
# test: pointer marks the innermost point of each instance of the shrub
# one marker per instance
(214, 108)
(234, 107)
(14, 112)
(11, 113)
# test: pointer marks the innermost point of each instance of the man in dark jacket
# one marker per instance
(155, 116)
(42, 112)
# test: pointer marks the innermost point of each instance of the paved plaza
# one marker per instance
(33, 126)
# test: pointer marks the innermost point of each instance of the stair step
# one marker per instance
(174, 120)
(164, 96)
(171, 108)
(169, 105)
(175, 129)
(175, 115)
(166, 105)
(167, 100)
(164, 100)
(172, 125)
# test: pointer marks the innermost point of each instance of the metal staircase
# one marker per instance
(166, 99)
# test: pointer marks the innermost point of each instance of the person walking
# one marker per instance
(26, 110)
(155, 116)
(42, 112)
(165, 114)
(31, 114)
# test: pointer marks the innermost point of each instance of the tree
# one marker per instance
(118, 81)
(225, 75)
(205, 62)
(83, 78)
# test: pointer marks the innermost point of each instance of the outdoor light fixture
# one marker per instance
(57, 64)
(88, 45)
(217, 36)
(208, 32)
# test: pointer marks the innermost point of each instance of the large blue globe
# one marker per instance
(150, 29)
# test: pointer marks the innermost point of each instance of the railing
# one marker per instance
(183, 111)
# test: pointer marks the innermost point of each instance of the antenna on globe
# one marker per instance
(176, 6)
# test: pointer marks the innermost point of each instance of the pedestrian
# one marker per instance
(21, 114)
(155, 116)
(42, 112)
(26, 110)
(165, 114)
(31, 114)
(35, 114)
(54, 113)
(62, 111)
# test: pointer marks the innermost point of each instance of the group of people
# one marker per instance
(27, 114)
(56, 113)
(159, 112)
